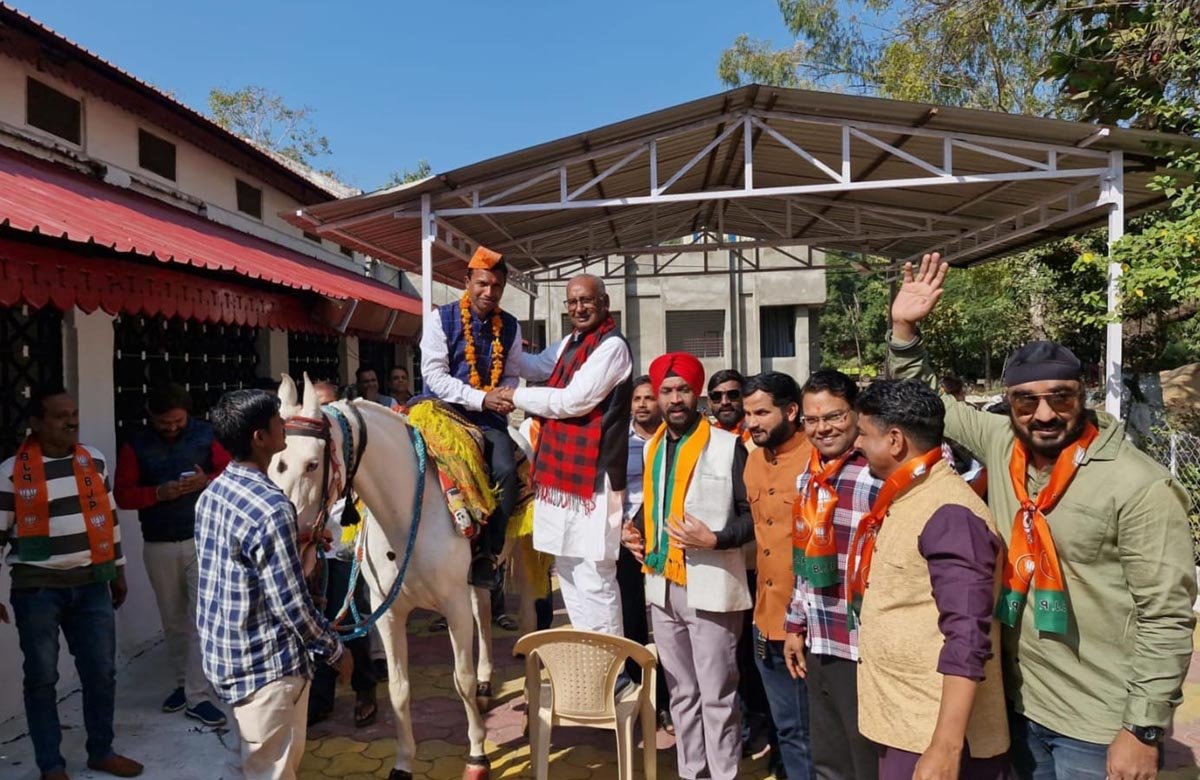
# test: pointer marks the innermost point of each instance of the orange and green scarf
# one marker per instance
(665, 491)
(1032, 558)
(859, 563)
(32, 507)
(814, 543)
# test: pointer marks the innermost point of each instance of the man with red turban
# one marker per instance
(697, 517)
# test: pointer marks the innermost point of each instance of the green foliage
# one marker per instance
(973, 328)
(406, 176)
(854, 322)
(261, 116)
(978, 53)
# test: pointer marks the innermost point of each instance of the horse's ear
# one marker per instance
(288, 396)
(311, 405)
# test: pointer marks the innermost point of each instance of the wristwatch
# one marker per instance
(1147, 735)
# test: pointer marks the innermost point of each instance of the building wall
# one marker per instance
(204, 183)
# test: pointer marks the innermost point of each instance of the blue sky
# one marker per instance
(453, 82)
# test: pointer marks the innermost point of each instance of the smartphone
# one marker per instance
(186, 474)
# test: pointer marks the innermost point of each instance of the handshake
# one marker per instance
(499, 400)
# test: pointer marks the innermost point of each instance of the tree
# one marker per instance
(264, 118)
(976, 53)
(854, 321)
(1139, 63)
(422, 171)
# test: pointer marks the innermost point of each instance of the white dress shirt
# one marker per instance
(574, 530)
(435, 366)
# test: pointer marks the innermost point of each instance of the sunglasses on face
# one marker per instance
(717, 396)
(1060, 402)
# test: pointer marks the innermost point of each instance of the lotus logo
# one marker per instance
(97, 521)
(28, 493)
(30, 520)
(822, 534)
(1026, 568)
(82, 460)
(104, 546)
(803, 529)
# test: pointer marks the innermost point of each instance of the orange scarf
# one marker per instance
(859, 564)
(32, 507)
(814, 544)
(664, 492)
(1031, 553)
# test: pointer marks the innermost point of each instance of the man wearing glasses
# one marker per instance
(580, 454)
(833, 491)
(725, 402)
(1096, 655)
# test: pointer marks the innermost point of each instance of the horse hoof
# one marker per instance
(477, 768)
(400, 774)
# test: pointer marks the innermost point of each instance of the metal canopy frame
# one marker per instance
(789, 170)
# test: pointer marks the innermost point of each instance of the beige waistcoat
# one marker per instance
(899, 687)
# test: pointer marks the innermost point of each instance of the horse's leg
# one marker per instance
(395, 641)
(481, 609)
(459, 620)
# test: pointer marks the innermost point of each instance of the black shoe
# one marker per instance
(483, 571)
(175, 702)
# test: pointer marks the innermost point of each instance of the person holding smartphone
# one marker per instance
(161, 472)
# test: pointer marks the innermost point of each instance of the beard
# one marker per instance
(1071, 431)
(777, 436)
(729, 416)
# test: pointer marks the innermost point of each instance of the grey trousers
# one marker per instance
(698, 652)
(839, 752)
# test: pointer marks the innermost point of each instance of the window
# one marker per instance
(701, 333)
(249, 199)
(312, 237)
(48, 109)
(536, 337)
(568, 326)
(156, 155)
(347, 251)
(777, 331)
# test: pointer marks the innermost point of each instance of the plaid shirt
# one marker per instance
(256, 620)
(822, 612)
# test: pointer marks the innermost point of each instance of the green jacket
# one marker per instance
(1122, 536)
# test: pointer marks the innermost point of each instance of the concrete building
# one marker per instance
(139, 243)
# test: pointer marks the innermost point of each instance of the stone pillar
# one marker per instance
(272, 353)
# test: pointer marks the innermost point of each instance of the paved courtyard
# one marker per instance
(175, 748)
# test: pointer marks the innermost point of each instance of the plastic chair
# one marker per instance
(582, 669)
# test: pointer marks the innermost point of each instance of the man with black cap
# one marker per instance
(1095, 658)
(471, 351)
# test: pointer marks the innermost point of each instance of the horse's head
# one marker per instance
(298, 470)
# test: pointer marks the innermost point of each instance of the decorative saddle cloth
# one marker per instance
(456, 446)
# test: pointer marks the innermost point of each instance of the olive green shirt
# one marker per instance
(1123, 540)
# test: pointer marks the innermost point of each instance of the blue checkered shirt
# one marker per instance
(256, 620)
(822, 612)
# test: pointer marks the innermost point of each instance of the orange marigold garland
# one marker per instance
(464, 307)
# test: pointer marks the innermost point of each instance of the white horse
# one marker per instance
(436, 577)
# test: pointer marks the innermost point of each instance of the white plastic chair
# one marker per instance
(582, 669)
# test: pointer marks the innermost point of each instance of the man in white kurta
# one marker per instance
(583, 531)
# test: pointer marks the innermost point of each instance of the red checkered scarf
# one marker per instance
(568, 450)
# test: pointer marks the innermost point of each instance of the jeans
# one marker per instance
(1041, 754)
(501, 453)
(85, 616)
(788, 698)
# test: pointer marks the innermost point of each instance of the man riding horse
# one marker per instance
(470, 349)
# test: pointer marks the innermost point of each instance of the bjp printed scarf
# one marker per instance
(1032, 558)
(814, 543)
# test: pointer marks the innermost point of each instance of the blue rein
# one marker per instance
(361, 626)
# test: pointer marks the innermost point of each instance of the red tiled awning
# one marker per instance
(40, 197)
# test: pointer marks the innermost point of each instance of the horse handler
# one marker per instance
(257, 623)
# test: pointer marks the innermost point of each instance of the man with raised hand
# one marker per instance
(1096, 655)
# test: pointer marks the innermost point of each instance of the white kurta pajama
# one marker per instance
(584, 542)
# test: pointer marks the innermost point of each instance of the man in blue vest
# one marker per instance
(470, 351)
(161, 471)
